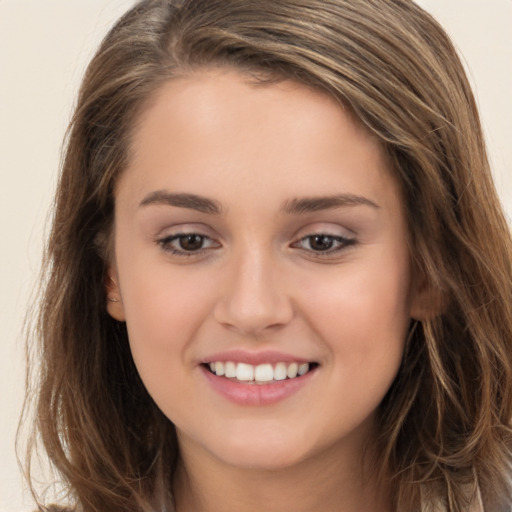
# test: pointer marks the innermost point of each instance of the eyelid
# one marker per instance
(344, 243)
(165, 241)
(329, 228)
(170, 236)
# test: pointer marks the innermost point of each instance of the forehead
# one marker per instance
(219, 127)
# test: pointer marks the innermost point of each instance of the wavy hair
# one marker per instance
(445, 424)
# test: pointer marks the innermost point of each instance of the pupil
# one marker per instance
(191, 242)
(321, 242)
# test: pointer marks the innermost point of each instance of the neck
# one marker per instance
(325, 482)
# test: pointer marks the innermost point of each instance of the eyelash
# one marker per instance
(341, 243)
(166, 244)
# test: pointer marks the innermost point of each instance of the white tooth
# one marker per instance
(291, 371)
(280, 371)
(212, 367)
(264, 373)
(219, 368)
(244, 371)
(303, 368)
(230, 369)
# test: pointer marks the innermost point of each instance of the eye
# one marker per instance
(187, 244)
(322, 243)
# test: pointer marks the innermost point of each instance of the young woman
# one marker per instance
(279, 277)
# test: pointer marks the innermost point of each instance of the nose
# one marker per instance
(254, 299)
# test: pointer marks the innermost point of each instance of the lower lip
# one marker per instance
(256, 394)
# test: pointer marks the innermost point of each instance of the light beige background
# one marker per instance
(44, 47)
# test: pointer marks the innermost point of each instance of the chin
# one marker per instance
(262, 449)
(256, 459)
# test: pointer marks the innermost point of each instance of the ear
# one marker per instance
(426, 300)
(115, 307)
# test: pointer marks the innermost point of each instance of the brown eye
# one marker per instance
(321, 242)
(187, 244)
(191, 242)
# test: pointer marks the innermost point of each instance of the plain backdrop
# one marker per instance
(44, 48)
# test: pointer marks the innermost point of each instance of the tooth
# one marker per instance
(280, 371)
(303, 368)
(244, 372)
(230, 369)
(219, 368)
(264, 373)
(261, 373)
(291, 371)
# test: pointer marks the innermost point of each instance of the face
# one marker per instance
(262, 269)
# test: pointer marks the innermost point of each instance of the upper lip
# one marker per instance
(254, 358)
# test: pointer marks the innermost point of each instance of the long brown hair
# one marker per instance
(445, 424)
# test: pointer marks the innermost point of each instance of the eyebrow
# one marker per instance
(293, 206)
(190, 201)
(315, 204)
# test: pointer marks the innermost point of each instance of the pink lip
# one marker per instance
(255, 394)
(254, 358)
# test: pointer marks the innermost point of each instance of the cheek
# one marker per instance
(362, 315)
(162, 317)
(364, 326)
(164, 307)
(362, 300)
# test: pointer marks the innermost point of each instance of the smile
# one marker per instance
(264, 383)
(261, 373)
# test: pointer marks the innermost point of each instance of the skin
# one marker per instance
(256, 283)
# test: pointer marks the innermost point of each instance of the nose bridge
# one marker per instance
(254, 297)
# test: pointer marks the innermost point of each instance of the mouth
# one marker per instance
(266, 373)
